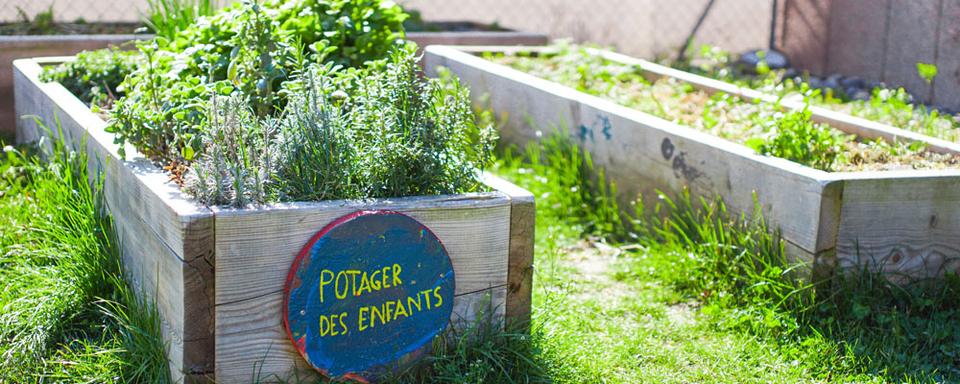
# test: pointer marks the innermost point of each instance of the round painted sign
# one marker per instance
(368, 294)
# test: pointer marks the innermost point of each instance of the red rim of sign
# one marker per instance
(304, 252)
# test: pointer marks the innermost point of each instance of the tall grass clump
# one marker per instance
(166, 18)
(65, 311)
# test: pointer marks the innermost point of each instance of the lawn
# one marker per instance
(694, 297)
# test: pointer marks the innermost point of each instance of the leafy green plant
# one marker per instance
(41, 24)
(94, 76)
(799, 139)
(380, 131)
(927, 71)
(166, 18)
(247, 48)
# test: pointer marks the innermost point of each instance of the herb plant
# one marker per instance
(94, 76)
(380, 131)
(248, 48)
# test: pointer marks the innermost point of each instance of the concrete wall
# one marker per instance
(881, 40)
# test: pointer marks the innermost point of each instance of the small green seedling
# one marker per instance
(927, 71)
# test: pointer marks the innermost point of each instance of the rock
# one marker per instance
(833, 82)
(749, 60)
(854, 93)
(815, 82)
(853, 82)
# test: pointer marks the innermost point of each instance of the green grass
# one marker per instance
(66, 314)
(693, 295)
(688, 294)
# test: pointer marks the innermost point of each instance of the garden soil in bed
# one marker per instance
(721, 115)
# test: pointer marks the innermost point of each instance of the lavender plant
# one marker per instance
(380, 131)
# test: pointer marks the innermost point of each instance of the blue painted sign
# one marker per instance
(368, 294)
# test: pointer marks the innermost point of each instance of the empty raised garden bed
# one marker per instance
(218, 275)
(904, 220)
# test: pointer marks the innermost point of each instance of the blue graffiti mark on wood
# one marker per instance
(602, 122)
(368, 294)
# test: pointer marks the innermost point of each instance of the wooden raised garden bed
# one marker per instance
(218, 275)
(905, 221)
(16, 47)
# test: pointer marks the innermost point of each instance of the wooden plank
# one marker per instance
(253, 346)
(905, 223)
(520, 269)
(424, 39)
(256, 247)
(911, 38)
(642, 153)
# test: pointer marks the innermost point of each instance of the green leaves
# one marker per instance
(380, 131)
(927, 71)
(94, 76)
(799, 139)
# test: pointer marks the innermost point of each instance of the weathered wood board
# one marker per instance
(175, 250)
(474, 229)
(819, 214)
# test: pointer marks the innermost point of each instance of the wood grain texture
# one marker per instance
(642, 153)
(252, 344)
(168, 240)
(256, 247)
(520, 270)
(904, 224)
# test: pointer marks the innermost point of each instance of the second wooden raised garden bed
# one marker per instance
(905, 222)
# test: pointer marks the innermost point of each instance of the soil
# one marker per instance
(23, 29)
(721, 115)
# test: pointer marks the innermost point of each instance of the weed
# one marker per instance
(797, 138)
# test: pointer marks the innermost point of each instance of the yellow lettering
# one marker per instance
(353, 274)
(396, 275)
(436, 295)
(361, 322)
(386, 283)
(426, 295)
(373, 280)
(324, 326)
(342, 323)
(375, 312)
(400, 309)
(364, 284)
(389, 310)
(324, 281)
(346, 285)
(411, 303)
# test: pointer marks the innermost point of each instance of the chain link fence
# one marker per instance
(646, 28)
(109, 11)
